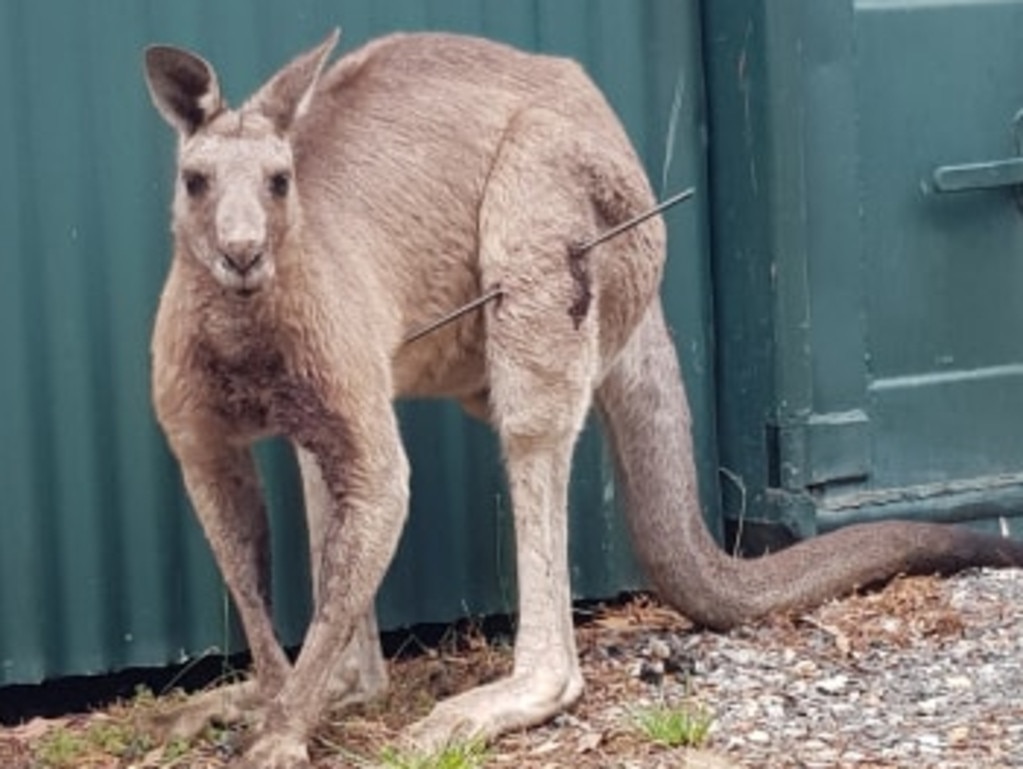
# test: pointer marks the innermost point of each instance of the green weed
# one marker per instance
(467, 755)
(61, 748)
(687, 725)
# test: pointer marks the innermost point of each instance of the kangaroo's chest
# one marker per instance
(250, 391)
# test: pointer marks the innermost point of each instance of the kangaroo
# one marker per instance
(340, 208)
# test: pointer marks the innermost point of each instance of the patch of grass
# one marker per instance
(176, 750)
(467, 755)
(686, 725)
(61, 748)
(67, 747)
(108, 740)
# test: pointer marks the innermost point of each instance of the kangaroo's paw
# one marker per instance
(275, 751)
(487, 712)
(226, 704)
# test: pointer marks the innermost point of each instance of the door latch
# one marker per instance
(986, 175)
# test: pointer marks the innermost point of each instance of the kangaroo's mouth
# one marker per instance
(245, 287)
(244, 284)
(250, 285)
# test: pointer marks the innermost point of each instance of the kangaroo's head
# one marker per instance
(234, 201)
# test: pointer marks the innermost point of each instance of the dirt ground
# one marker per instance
(626, 667)
(597, 732)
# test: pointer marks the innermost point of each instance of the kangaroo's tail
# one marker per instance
(645, 413)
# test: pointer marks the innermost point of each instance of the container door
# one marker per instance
(940, 94)
(871, 319)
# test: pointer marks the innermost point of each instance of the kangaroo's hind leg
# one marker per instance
(542, 356)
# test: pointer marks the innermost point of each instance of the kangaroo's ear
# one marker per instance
(183, 87)
(288, 94)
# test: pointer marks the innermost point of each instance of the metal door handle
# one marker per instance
(987, 175)
(979, 176)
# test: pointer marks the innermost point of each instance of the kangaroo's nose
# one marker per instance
(242, 256)
(241, 231)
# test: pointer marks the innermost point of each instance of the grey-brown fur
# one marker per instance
(332, 214)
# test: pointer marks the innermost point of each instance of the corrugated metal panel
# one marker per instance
(101, 563)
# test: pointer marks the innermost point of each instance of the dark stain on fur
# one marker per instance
(257, 392)
(579, 269)
(241, 390)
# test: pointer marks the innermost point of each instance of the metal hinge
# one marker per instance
(819, 450)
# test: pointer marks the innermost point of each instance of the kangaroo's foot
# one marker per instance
(275, 751)
(235, 703)
(229, 704)
(360, 677)
(522, 700)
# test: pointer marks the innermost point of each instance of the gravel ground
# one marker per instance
(925, 673)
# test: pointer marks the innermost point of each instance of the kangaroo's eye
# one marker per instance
(196, 183)
(280, 183)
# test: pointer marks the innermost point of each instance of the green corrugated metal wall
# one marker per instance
(101, 564)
